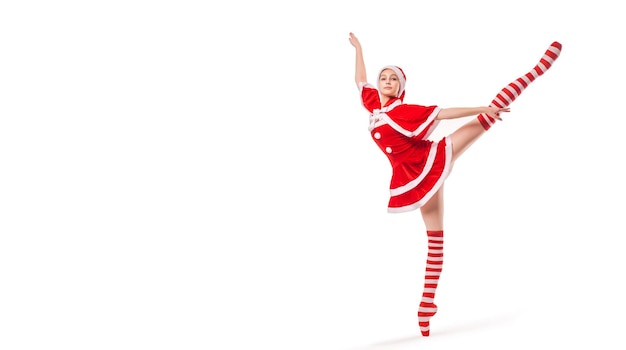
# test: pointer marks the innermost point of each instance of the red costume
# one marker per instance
(401, 131)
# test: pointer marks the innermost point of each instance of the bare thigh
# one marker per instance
(464, 137)
(432, 212)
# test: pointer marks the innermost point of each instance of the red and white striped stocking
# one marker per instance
(434, 263)
(510, 92)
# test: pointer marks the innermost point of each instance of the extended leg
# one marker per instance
(510, 92)
(465, 136)
(471, 131)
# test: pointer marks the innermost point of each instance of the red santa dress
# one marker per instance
(419, 165)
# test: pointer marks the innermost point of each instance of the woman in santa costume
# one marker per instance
(420, 165)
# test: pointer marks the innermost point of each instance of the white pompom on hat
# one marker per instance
(401, 76)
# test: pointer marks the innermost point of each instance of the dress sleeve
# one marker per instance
(369, 97)
(417, 120)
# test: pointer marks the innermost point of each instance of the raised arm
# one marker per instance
(460, 112)
(359, 75)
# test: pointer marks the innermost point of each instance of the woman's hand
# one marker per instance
(494, 112)
(354, 41)
(360, 75)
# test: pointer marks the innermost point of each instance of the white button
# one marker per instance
(388, 149)
(377, 136)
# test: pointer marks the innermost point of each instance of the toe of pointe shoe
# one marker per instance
(425, 329)
(425, 313)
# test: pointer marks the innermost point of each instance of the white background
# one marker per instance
(199, 175)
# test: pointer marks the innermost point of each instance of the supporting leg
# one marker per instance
(432, 214)
(434, 263)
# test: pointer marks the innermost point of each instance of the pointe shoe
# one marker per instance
(424, 314)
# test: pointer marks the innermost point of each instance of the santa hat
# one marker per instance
(400, 73)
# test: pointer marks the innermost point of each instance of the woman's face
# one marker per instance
(388, 83)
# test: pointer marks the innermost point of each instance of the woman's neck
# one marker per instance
(385, 99)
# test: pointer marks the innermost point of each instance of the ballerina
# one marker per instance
(420, 165)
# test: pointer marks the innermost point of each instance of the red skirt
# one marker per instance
(419, 175)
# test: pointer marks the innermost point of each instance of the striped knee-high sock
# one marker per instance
(434, 263)
(510, 92)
